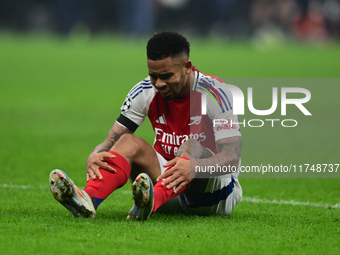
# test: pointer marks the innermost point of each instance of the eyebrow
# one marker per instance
(163, 75)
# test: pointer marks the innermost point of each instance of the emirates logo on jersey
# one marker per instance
(174, 139)
(170, 143)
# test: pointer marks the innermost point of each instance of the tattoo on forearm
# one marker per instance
(112, 138)
(192, 149)
(229, 154)
(184, 150)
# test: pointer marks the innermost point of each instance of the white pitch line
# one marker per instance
(255, 200)
(288, 202)
(12, 186)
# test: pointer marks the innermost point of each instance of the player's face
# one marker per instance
(171, 76)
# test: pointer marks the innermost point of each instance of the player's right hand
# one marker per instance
(95, 161)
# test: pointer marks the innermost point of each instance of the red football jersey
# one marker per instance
(177, 120)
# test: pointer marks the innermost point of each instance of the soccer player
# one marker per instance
(196, 137)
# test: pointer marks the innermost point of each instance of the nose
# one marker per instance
(160, 84)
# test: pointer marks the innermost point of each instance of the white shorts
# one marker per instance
(220, 197)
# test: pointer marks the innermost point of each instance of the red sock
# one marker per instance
(163, 195)
(101, 189)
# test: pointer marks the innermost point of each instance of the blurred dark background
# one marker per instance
(299, 19)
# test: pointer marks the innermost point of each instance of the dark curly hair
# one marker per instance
(167, 44)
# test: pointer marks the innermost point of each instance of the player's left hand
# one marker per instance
(178, 175)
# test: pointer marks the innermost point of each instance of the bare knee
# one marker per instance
(139, 154)
(128, 146)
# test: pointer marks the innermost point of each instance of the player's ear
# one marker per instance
(188, 66)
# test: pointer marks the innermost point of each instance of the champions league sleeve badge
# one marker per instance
(126, 105)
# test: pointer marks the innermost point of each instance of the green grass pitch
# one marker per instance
(58, 100)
